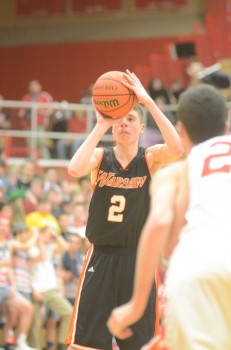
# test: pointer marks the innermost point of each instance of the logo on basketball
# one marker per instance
(106, 103)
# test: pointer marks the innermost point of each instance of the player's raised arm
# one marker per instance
(87, 156)
(173, 148)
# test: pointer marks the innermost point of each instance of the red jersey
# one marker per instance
(43, 96)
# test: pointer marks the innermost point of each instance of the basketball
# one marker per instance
(111, 97)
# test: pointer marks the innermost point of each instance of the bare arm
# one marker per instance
(181, 203)
(88, 156)
(173, 148)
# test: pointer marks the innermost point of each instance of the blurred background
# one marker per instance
(67, 44)
(53, 52)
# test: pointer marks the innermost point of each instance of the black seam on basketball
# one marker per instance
(118, 81)
(113, 95)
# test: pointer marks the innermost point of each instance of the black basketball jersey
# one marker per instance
(120, 202)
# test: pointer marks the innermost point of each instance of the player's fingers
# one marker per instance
(130, 86)
(132, 76)
(129, 78)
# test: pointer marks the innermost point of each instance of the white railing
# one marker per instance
(33, 134)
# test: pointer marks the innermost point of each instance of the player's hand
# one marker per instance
(102, 119)
(136, 86)
(120, 320)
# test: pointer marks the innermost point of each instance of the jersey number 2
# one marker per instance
(224, 168)
(116, 209)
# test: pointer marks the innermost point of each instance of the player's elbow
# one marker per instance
(73, 170)
(162, 221)
(177, 151)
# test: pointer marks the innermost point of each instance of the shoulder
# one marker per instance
(170, 173)
(99, 153)
(152, 159)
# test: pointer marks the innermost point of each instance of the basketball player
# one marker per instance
(120, 177)
(195, 195)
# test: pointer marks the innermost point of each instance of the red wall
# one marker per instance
(67, 69)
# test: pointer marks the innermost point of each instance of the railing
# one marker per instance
(33, 135)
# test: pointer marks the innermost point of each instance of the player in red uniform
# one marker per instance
(190, 198)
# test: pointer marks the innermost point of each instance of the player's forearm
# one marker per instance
(168, 131)
(79, 163)
(150, 249)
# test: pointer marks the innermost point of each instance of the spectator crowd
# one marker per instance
(42, 248)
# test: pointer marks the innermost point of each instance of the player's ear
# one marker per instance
(142, 126)
(180, 128)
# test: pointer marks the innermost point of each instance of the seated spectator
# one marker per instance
(65, 222)
(27, 172)
(11, 179)
(72, 264)
(55, 199)
(192, 70)
(45, 284)
(66, 188)
(157, 89)
(51, 179)
(6, 215)
(42, 215)
(19, 246)
(37, 94)
(80, 214)
(85, 189)
(13, 300)
(76, 124)
(58, 123)
(161, 103)
(5, 124)
(17, 207)
(33, 193)
(4, 179)
(67, 207)
(176, 89)
(151, 134)
(52, 319)
(86, 98)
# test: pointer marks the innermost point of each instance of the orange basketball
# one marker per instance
(111, 97)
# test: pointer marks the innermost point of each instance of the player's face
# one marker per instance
(128, 129)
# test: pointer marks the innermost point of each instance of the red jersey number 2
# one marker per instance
(224, 167)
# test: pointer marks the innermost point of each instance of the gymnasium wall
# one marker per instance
(67, 69)
(46, 49)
